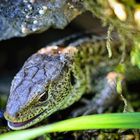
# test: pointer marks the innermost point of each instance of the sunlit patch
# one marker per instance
(118, 9)
(70, 50)
(137, 16)
(47, 49)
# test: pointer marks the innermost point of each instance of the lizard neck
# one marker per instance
(92, 55)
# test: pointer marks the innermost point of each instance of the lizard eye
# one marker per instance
(72, 79)
(43, 97)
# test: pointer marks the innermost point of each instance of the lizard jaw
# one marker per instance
(28, 123)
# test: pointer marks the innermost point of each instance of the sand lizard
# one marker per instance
(55, 77)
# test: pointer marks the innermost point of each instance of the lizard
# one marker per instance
(57, 76)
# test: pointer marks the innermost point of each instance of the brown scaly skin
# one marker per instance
(55, 77)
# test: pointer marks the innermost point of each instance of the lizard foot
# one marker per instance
(106, 98)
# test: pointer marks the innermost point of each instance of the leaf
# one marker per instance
(102, 121)
(135, 54)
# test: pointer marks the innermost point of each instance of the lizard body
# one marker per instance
(55, 77)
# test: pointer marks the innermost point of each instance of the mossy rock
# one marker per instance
(23, 17)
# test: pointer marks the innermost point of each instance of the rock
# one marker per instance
(23, 17)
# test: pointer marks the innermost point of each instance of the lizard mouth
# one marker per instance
(19, 124)
(25, 124)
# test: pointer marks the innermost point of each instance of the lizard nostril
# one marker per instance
(17, 115)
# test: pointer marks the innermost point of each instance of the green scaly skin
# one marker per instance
(56, 77)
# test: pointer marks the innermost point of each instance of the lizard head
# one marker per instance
(41, 87)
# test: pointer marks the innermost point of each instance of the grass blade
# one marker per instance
(100, 121)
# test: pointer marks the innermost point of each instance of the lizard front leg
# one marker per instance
(106, 95)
